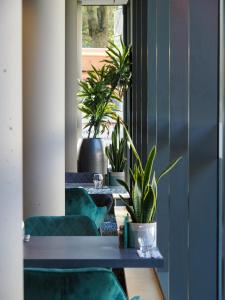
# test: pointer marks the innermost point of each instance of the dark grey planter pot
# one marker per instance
(113, 176)
(91, 156)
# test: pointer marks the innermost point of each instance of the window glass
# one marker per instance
(100, 24)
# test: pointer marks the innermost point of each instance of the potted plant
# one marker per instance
(115, 153)
(98, 108)
(100, 94)
(143, 196)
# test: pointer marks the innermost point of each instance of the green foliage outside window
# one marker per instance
(97, 26)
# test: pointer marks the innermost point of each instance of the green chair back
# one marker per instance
(79, 202)
(75, 284)
(60, 226)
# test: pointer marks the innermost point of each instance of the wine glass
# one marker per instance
(98, 180)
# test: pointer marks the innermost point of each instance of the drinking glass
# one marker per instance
(146, 239)
(98, 180)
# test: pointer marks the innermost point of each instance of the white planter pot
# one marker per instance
(148, 231)
(113, 176)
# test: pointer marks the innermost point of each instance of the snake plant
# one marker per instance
(144, 187)
(115, 151)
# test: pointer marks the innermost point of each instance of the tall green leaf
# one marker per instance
(137, 197)
(144, 188)
(148, 167)
(125, 185)
(148, 206)
(169, 168)
(133, 148)
(129, 209)
(115, 151)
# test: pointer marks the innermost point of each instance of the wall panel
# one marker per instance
(179, 179)
(139, 103)
(203, 144)
(162, 133)
(182, 119)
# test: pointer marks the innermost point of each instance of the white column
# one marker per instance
(73, 73)
(11, 258)
(44, 107)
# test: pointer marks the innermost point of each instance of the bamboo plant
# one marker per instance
(104, 88)
(115, 151)
(119, 67)
(99, 101)
(144, 187)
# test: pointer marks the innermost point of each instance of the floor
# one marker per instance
(141, 282)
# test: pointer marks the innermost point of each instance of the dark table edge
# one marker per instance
(90, 263)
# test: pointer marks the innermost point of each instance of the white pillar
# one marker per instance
(11, 258)
(73, 73)
(44, 107)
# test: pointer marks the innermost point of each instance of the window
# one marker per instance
(100, 24)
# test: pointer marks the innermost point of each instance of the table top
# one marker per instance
(113, 190)
(83, 251)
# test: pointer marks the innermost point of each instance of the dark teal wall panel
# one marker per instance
(137, 99)
(151, 72)
(135, 70)
(144, 82)
(179, 181)
(203, 141)
(181, 97)
(140, 79)
(162, 116)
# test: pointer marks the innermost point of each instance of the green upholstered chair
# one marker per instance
(59, 226)
(78, 202)
(74, 284)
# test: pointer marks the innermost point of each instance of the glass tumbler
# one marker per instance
(98, 180)
(146, 239)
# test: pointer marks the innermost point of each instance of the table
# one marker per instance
(115, 191)
(83, 251)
